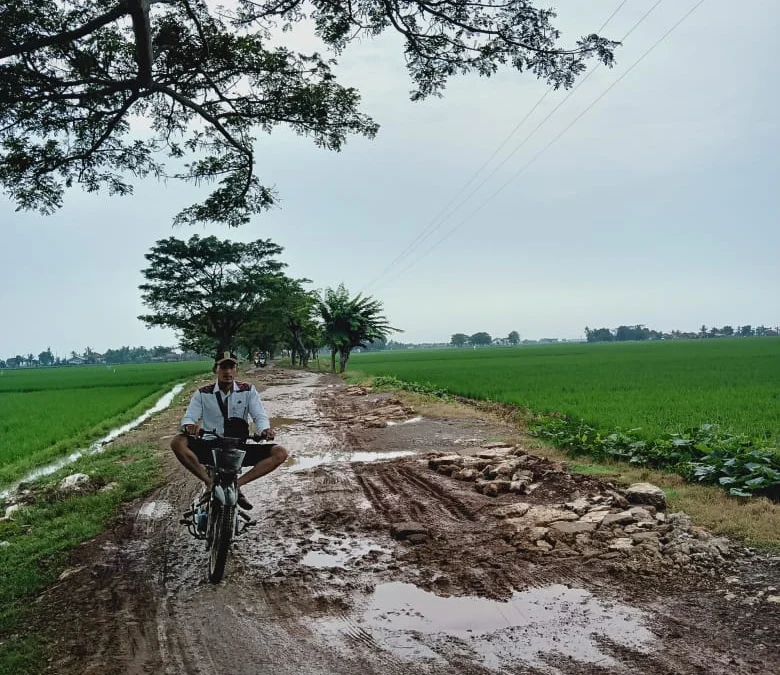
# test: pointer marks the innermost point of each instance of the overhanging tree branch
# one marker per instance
(69, 36)
(187, 65)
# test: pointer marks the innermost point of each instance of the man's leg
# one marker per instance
(189, 459)
(274, 460)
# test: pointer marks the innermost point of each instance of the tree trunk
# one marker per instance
(343, 358)
(333, 360)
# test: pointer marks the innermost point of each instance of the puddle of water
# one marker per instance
(284, 421)
(299, 463)
(411, 420)
(338, 552)
(412, 623)
(162, 403)
(323, 560)
(154, 510)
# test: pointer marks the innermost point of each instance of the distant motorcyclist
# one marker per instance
(226, 401)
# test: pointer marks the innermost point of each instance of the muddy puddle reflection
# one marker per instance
(554, 621)
(338, 552)
(411, 420)
(302, 462)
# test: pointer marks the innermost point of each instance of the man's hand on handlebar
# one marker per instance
(267, 434)
(190, 429)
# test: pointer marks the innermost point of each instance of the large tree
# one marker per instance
(46, 358)
(459, 340)
(480, 339)
(208, 289)
(350, 322)
(202, 80)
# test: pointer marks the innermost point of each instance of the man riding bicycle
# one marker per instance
(216, 404)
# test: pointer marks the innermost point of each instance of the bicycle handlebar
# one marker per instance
(258, 438)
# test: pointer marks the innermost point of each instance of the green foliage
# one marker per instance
(41, 535)
(204, 81)
(209, 289)
(661, 392)
(286, 319)
(350, 322)
(480, 339)
(744, 466)
(90, 377)
(389, 382)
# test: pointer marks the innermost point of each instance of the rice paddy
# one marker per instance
(658, 387)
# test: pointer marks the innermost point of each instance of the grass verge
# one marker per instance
(754, 521)
(35, 544)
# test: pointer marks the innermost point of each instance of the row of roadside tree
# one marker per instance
(219, 295)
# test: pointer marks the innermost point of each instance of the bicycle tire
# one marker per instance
(224, 517)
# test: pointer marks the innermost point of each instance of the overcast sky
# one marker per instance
(658, 206)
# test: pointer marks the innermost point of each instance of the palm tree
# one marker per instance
(350, 322)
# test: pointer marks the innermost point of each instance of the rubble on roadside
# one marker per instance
(595, 520)
(377, 415)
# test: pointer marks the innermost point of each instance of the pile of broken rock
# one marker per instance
(595, 521)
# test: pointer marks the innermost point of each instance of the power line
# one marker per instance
(553, 141)
(444, 214)
(431, 227)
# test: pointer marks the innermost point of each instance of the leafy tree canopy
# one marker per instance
(459, 340)
(208, 289)
(350, 322)
(201, 81)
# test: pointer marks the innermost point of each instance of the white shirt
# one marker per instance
(243, 400)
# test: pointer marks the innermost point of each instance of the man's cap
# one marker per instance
(225, 356)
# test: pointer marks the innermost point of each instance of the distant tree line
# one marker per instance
(90, 357)
(483, 339)
(640, 332)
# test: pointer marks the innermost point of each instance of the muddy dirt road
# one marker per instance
(477, 559)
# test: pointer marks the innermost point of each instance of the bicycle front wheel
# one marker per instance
(224, 522)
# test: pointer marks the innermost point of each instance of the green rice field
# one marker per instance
(656, 386)
(46, 412)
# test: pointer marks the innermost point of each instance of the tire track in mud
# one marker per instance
(453, 506)
(374, 495)
(400, 493)
(465, 553)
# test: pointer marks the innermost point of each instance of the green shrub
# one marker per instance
(743, 465)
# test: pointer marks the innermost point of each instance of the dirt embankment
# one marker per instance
(458, 554)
